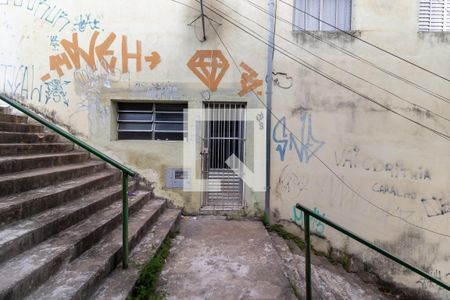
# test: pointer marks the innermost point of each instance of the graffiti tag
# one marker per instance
(209, 66)
(316, 226)
(249, 81)
(308, 144)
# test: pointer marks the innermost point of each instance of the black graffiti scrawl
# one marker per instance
(436, 206)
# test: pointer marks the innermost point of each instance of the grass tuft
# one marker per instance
(145, 288)
(264, 219)
(279, 229)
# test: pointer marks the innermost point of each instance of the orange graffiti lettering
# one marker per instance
(73, 55)
(249, 81)
(126, 56)
(75, 52)
(103, 50)
(153, 60)
(46, 77)
(209, 66)
(56, 61)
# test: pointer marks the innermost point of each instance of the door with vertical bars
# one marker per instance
(223, 136)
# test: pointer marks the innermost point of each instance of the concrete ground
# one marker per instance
(214, 258)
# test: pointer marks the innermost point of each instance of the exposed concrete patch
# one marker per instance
(213, 258)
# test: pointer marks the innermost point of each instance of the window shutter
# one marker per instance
(447, 16)
(434, 15)
(151, 121)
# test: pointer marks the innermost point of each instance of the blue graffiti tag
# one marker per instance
(308, 144)
(86, 22)
(282, 143)
(317, 226)
(54, 90)
(54, 42)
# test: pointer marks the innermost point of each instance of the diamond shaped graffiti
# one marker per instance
(209, 66)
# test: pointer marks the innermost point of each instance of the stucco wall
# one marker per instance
(395, 168)
(36, 67)
(398, 166)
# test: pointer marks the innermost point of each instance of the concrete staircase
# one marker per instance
(60, 219)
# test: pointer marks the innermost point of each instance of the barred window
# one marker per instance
(337, 13)
(151, 121)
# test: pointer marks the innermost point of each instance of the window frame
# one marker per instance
(297, 28)
(154, 120)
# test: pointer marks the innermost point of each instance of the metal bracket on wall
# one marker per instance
(203, 16)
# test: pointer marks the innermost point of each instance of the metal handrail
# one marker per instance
(125, 171)
(307, 213)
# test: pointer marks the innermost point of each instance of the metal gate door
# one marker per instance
(224, 135)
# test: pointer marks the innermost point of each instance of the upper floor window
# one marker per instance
(337, 13)
(434, 15)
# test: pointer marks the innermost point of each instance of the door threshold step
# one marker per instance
(222, 209)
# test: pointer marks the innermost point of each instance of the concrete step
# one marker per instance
(24, 234)
(119, 284)
(4, 109)
(24, 149)
(4, 118)
(19, 206)
(13, 164)
(22, 274)
(28, 180)
(80, 278)
(22, 137)
(19, 127)
(328, 280)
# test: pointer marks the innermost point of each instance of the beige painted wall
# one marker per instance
(83, 99)
(357, 139)
(397, 166)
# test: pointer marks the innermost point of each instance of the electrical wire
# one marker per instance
(354, 55)
(367, 42)
(320, 160)
(184, 4)
(332, 64)
(315, 155)
(318, 71)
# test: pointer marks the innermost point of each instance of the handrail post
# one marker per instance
(124, 220)
(307, 257)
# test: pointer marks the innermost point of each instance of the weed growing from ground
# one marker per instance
(145, 288)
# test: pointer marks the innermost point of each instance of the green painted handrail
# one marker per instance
(307, 212)
(125, 171)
